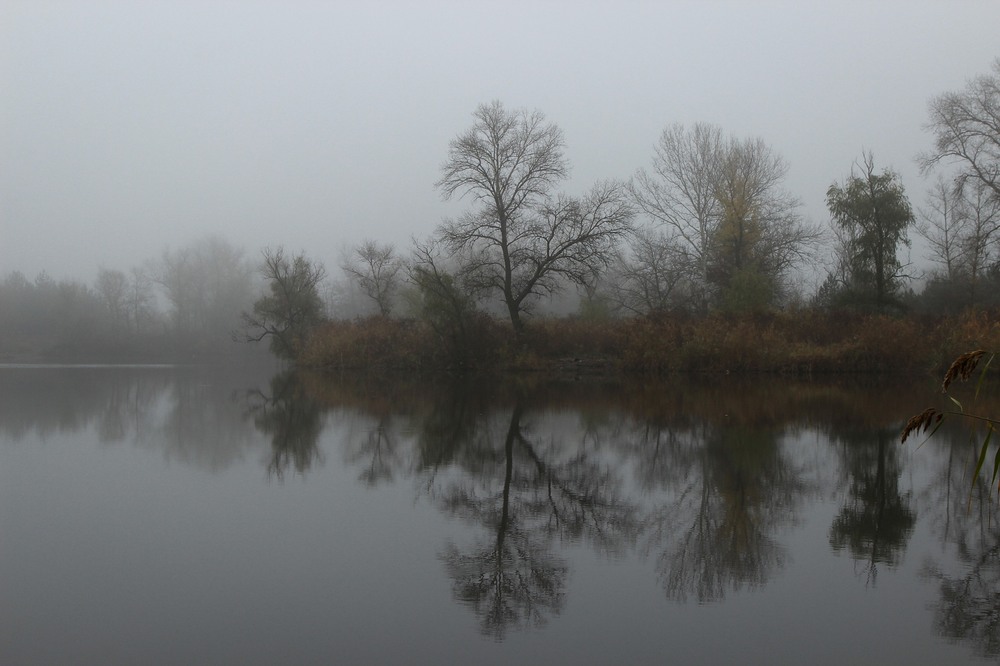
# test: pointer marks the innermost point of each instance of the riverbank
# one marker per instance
(800, 342)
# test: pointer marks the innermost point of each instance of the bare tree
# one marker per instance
(208, 284)
(112, 287)
(942, 223)
(377, 270)
(680, 192)
(288, 313)
(759, 237)
(981, 236)
(722, 203)
(520, 238)
(653, 276)
(139, 299)
(966, 128)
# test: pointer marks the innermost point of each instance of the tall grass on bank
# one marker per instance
(384, 344)
(801, 342)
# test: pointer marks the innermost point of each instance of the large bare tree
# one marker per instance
(966, 128)
(679, 192)
(520, 238)
(720, 201)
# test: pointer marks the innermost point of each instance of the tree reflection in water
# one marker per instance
(701, 476)
(968, 605)
(527, 495)
(727, 492)
(876, 521)
(514, 579)
(293, 419)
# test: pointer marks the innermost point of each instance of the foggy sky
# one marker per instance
(127, 127)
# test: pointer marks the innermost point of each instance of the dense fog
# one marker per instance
(151, 154)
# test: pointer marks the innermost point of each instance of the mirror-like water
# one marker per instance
(202, 516)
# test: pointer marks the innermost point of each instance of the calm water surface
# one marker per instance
(209, 516)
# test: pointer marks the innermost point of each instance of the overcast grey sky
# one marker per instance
(127, 127)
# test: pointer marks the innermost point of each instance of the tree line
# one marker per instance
(182, 305)
(707, 227)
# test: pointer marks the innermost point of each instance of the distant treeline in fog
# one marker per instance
(184, 305)
(195, 305)
(707, 234)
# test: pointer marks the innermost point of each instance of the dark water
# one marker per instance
(202, 516)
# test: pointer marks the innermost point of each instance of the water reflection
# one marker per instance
(876, 521)
(701, 483)
(712, 483)
(196, 416)
(293, 420)
(45, 401)
(509, 577)
(718, 532)
(202, 420)
(964, 518)
(969, 605)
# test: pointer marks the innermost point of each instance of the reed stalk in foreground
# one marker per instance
(961, 370)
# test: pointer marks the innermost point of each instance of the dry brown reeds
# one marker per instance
(794, 342)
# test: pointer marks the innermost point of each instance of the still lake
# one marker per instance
(162, 515)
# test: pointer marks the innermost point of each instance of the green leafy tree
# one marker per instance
(873, 216)
(292, 308)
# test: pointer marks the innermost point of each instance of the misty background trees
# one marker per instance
(707, 227)
(208, 285)
(964, 225)
(181, 305)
